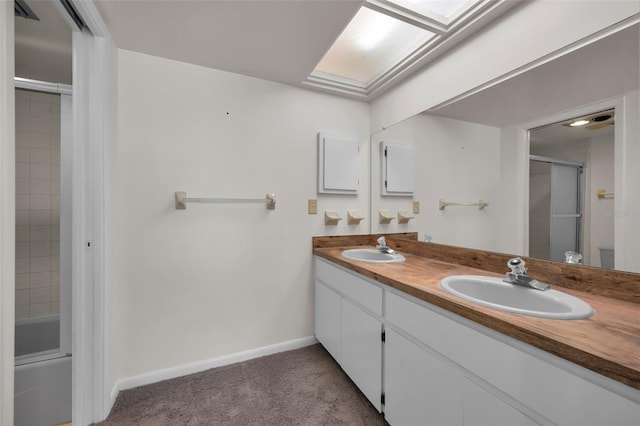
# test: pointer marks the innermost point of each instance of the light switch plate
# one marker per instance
(416, 207)
(312, 206)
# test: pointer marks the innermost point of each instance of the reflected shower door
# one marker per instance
(565, 215)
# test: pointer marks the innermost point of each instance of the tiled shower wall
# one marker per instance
(37, 204)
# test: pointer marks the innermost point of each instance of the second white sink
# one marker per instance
(373, 256)
(494, 293)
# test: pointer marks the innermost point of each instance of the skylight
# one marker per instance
(388, 38)
(371, 43)
(444, 10)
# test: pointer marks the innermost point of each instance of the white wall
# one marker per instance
(600, 176)
(215, 279)
(456, 161)
(514, 42)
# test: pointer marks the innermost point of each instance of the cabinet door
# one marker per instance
(420, 388)
(482, 408)
(327, 319)
(362, 351)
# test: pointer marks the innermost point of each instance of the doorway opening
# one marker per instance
(571, 178)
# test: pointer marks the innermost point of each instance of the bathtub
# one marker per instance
(42, 374)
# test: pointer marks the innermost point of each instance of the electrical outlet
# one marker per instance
(312, 206)
(416, 207)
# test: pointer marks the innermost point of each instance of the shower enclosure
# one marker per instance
(554, 208)
(43, 282)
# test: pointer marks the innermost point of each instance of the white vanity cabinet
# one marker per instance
(442, 369)
(348, 323)
(503, 381)
(419, 387)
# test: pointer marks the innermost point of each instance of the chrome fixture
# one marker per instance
(518, 275)
(383, 248)
(573, 257)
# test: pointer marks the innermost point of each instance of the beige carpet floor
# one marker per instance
(301, 387)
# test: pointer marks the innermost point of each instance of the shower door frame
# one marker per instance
(66, 147)
(579, 216)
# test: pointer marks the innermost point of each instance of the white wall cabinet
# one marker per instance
(348, 325)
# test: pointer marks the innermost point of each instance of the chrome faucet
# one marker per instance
(518, 275)
(382, 246)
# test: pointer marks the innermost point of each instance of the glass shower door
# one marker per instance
(565, 213)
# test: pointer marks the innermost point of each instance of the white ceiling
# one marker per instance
(281, 41)
(600, 70)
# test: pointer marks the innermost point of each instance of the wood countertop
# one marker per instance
(607, 343)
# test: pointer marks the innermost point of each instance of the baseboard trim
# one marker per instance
(196, 367)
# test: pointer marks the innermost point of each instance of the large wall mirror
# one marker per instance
(477, 150)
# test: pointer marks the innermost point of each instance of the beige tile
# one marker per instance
(22, 155)
(40, 201)
(39, 310)
(41, 109)
(55, 171)
(40, 217)
(41, 125)
(23, 234)
(55, 187)
(39, 279)
(40, 171)
(55, 263)
(22, 217)
(40, 156)
(55, 293)
(22, 281)
(55, 307)
(55, 278)
(22, 265)
(23, 171)
(22, 201)
(22, 186)
(23, 95)
(55, 233)
(22, 297)
(40, 264)
(22, 312)
(40, 233)
(39, 295)
(41, 186)
(22, 249)
(23, 123)
(55, 248)
(42, 97)
(22, 107)
(23, 140)
(55, 156)
(41, 140)
(40, 249)
(55, 202)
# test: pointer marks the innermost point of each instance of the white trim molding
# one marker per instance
(7, 212)
(196, 367)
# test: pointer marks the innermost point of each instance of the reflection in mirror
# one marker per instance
(569, 162)
(476, 148)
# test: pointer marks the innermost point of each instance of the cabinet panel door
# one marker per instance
(420, 388)
(362, 351)
(327, 319)
(482, 408)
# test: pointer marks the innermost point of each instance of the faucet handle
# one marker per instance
(382, 242)
(517, 266)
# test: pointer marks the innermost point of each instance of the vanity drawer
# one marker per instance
(357, 289)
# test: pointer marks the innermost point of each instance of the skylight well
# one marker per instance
(388, 37)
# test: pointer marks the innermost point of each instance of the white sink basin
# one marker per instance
(495, 293)
(372, 256)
